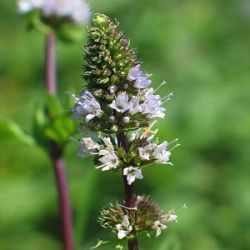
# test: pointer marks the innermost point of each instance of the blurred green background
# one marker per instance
(202, 49)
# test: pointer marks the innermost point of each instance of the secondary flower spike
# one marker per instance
(76, 11)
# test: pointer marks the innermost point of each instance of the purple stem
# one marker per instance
(129, 195)
(64, 203)
(51, 63)
(55, 151)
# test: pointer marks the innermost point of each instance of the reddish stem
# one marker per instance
(55, 151)
(129, 195)
(51, 63)
(64, 203)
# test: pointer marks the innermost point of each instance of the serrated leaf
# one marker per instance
(10, 131)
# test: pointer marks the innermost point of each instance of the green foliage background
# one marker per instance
(202, 49)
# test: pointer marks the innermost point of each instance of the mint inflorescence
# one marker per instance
(117, 99)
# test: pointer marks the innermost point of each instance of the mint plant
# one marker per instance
(119, 108)
(52, 126)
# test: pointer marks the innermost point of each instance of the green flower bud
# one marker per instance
(105, 39)
(114, 128)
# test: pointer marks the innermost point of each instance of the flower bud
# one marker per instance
(98, 93)
(125, 86)
(114, 128)
(137, 123)
(109, 97)
(112, 119)
(126, 119)
(112, 89)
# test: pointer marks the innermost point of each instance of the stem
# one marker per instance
(51, 63)
(55, 150)
(129, 195)
(64, 203)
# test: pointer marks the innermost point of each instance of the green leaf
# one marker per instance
(35, 22)
(54, 106)
(39, 125)
(10, 131)
(52, 123)
(61, 129)
(100, 243)
(70, 33)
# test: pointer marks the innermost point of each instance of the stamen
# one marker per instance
(162, 84)
(167, 97)
(175, 140)
(152, 124)
(175, 146)
(153, 134)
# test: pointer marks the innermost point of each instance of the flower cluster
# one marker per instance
(145, 216)
(119, 106)
(76, 11)
(118, 94)
(141, 152)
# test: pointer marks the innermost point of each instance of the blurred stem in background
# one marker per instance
(56, 151)
(51, 63)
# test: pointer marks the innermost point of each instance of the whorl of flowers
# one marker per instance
(142, 151)
(76, 11)
(145, 216)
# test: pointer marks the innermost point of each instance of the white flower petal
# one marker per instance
(87, 107)
(172, 217)
(151, 107)
(121, 103)
(122, 234)
(142, 82)
(134, 73)
(134, 105)
(158, 226)
(161, 155)
(88, 147)
(124, 228)
(158, 231)
(132, 173)
(125, 221)
(130, 179)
